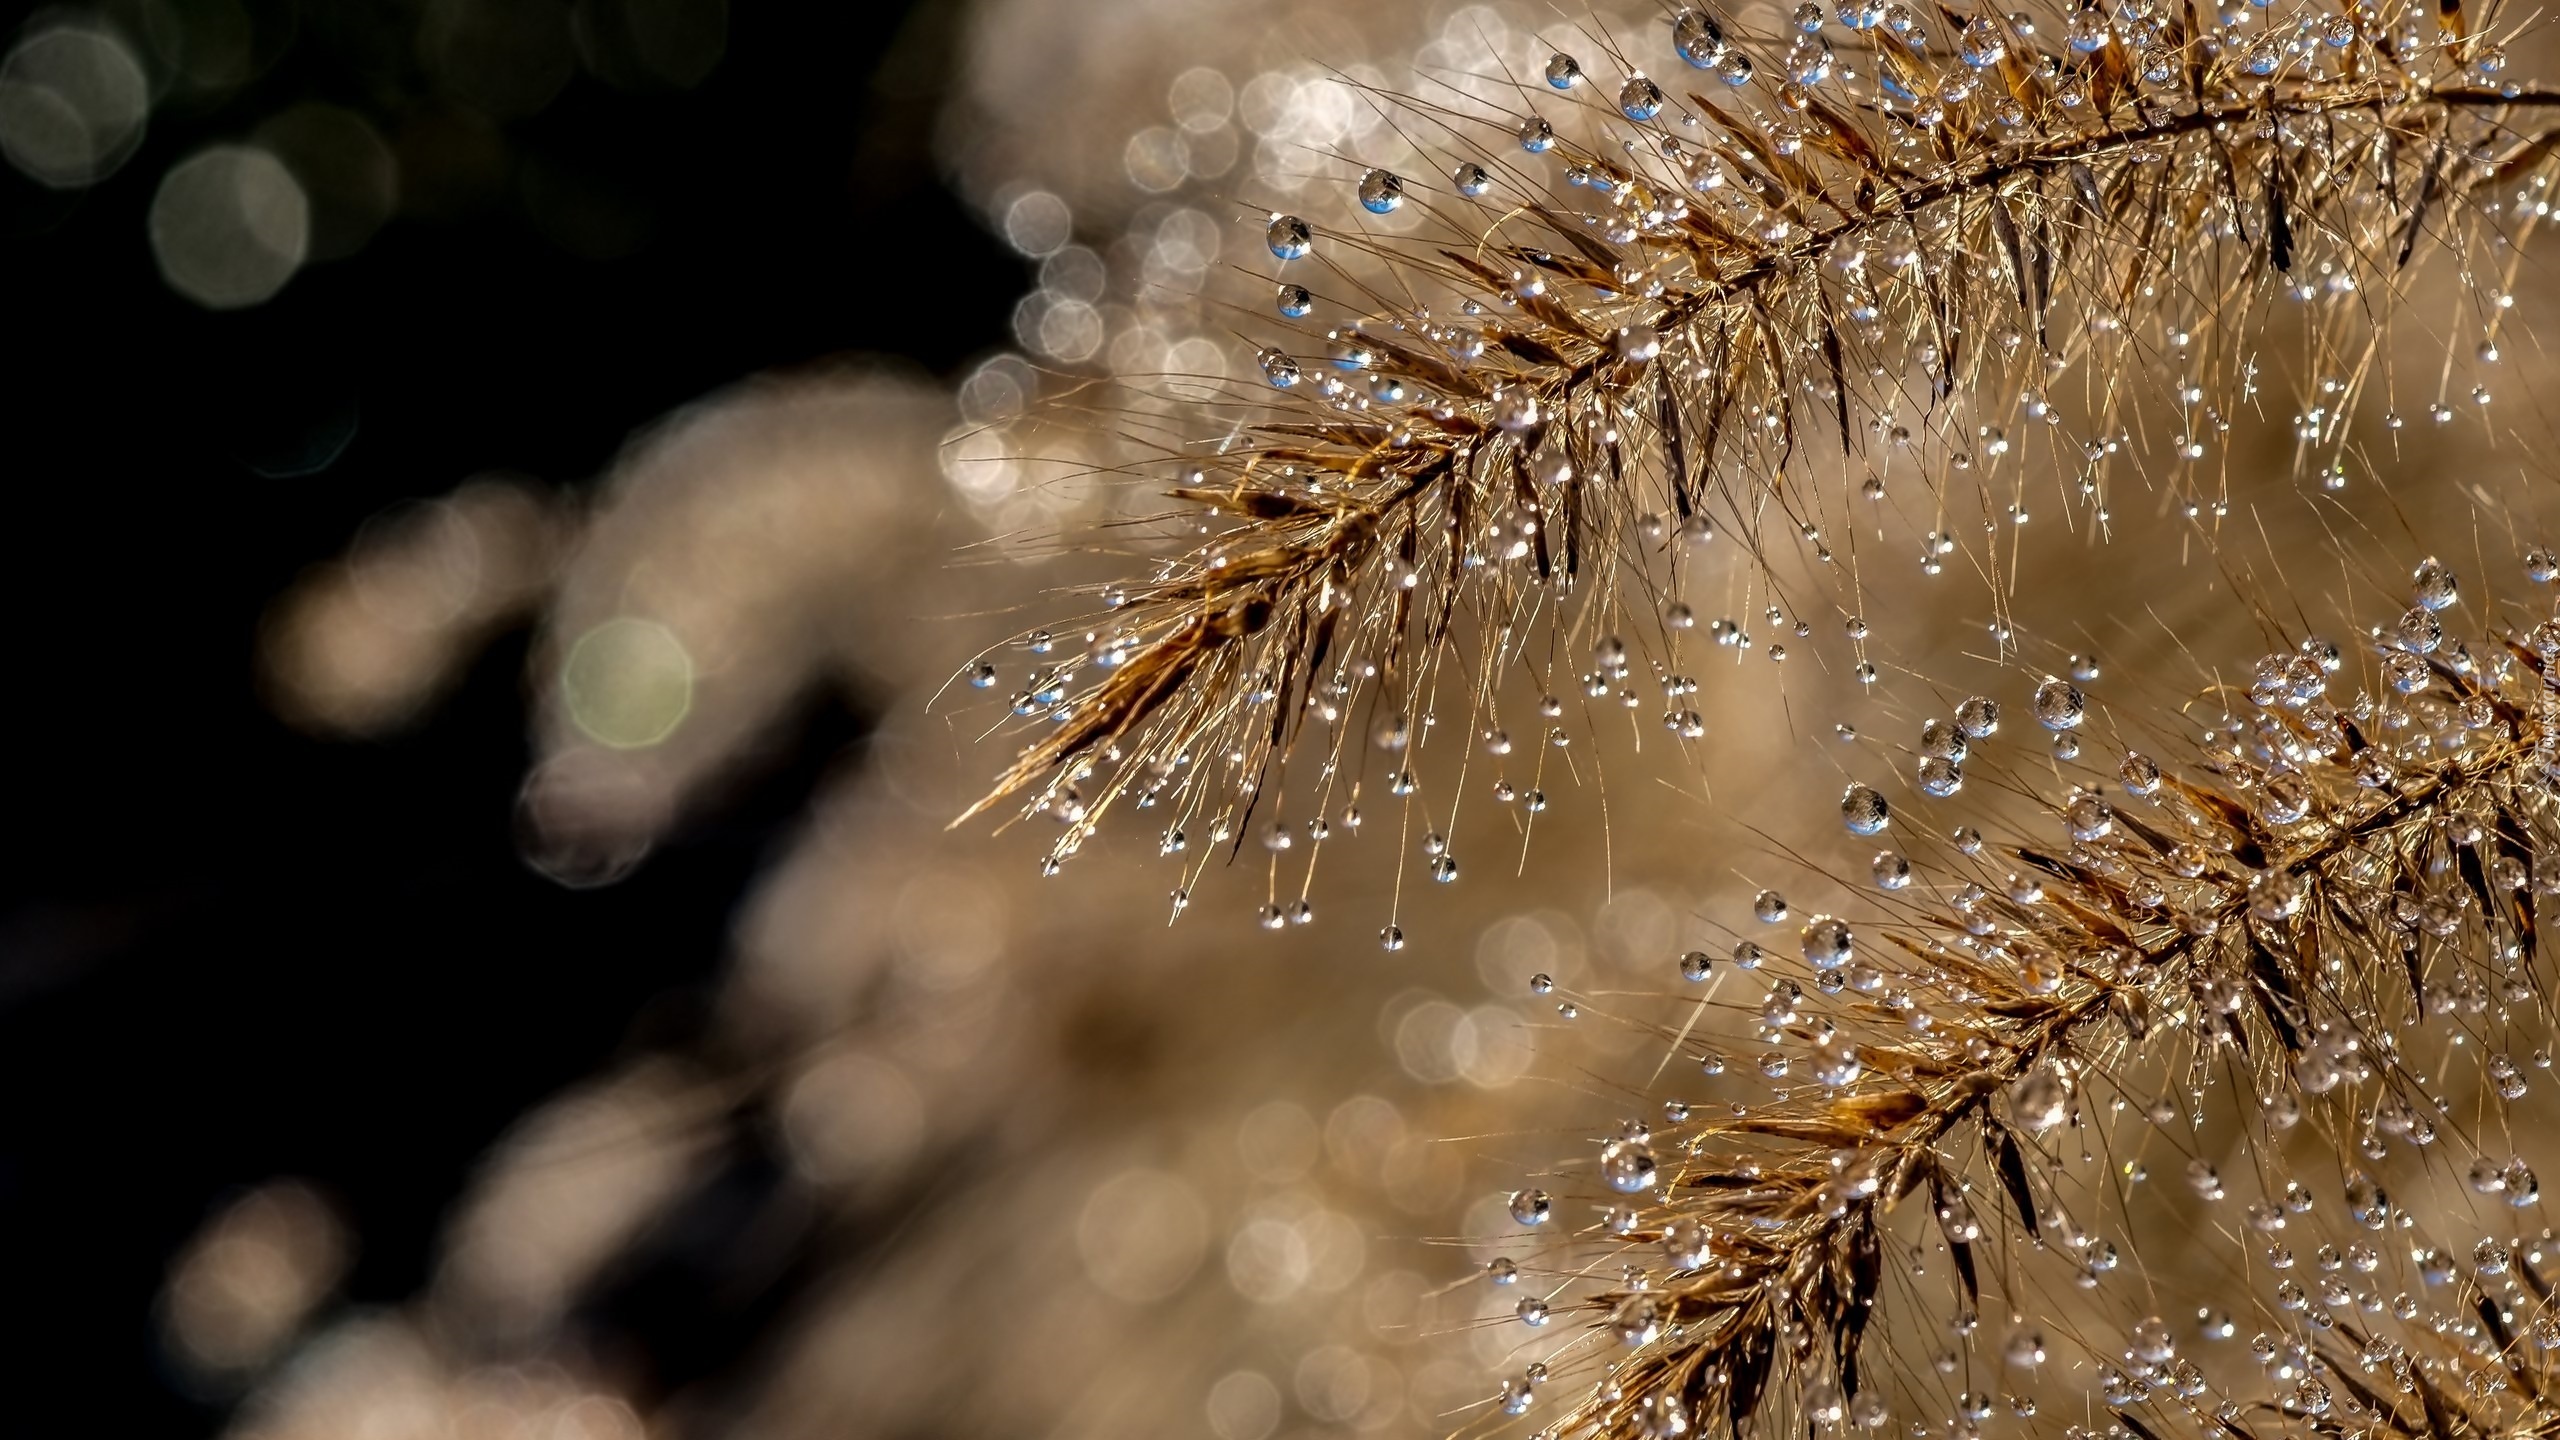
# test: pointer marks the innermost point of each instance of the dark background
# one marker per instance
(230, 952)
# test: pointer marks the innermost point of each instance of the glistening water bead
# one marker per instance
(1639, 98)
(1381, 193)
(2059, 704)
(1289, 237)
(2433, 586)
(1827, 943)
(1863, 810)
(1698, 38)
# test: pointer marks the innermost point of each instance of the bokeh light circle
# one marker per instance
(72, 105)
(229, 226)
(628, 683)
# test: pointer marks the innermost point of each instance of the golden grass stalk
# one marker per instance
(1925, 274)
(2327, 930)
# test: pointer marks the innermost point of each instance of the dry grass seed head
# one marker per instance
(1907, 278)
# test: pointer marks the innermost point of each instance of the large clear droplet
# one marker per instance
(1828, 944)
(1381, 193)
(2433, 586)
(1983, 45)
(1289, 236)
(1627, 1166)
(1698, 38)
(1639, 98)
(1864, 810)
(2038, 1100)
(2059, 704)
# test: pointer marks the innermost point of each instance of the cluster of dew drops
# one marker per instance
(1701, 41)
(2339, 1282)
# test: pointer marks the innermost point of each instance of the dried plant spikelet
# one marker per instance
(2218, 1114)
(1895, 278)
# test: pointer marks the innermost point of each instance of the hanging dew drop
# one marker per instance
(1639, 98)
(1289, 237)
(2059, 704)
(1698, 39)
(1381, 193)
(1864, 810)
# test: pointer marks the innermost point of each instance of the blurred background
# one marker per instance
(279, 272)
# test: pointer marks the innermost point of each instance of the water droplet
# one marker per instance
(2433, 587)
(1685, 1243)
(1828, 944)
(1289, 236)
(1639, 98)
(1698, 38)
(1864, 810)
(1381, 193)
(2059, 704)
(2038, 1100)
(2419, 632)
(1983, 44)
(1515, 408)
(1627, 1166)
